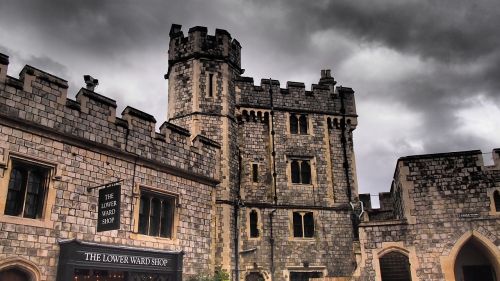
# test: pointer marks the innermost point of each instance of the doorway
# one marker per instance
(473, 263)
(14, 274)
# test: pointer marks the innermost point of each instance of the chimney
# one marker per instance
(326, 78)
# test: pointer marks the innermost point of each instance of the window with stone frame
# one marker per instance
(298, 124)
(27, 189)
(300, 170)
(156, 214)
(254, 224)
(303, 224)
(496, 199)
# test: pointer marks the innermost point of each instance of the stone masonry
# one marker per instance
(86, 145)
(437, 203)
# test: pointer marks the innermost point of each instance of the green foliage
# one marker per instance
(219, 275)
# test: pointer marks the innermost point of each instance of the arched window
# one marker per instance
(395, 266)
(254, 224)
(294, 124)
(496, 198)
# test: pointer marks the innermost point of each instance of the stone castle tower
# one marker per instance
(281, 211)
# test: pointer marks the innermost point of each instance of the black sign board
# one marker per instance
(76, 254)
(108, 217)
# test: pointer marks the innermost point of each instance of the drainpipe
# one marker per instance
(236, 231)
(275, 198)
(271, 241)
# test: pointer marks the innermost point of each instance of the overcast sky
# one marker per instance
(426, 73)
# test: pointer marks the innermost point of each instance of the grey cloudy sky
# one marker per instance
(426, 73)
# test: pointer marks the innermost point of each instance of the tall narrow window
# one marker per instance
(496, 198)
(254, 224)
(210, 85)
(156, 214)
(294, 124)
(255, 172)
(303, 224)
(303, 124)
(305, 172)
(28, 184)
(295, 169)
(300, 171)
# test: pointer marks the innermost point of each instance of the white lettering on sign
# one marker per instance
(125, 259)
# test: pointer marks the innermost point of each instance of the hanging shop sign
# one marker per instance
(108, 217)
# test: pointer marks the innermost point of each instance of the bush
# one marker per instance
(219, 275)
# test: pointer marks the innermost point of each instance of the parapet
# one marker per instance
(37, 101)
(198, 44)
(323, 98)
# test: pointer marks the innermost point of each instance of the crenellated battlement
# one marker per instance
(323, 97)
(198, 44)
(37, 101)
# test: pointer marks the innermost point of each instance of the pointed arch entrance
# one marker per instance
(473, 257)
(18, 269)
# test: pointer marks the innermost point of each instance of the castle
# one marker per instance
(259, 180)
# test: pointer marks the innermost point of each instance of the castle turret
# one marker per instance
(201, 73)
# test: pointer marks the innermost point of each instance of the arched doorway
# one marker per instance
(14, 274)
(395, 266)
(474, 262)
(254, 276)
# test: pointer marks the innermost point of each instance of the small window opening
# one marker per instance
(294, 124)
(254, 224)
(496, 198)
(210, 85)
(303, 124)
(255, 172)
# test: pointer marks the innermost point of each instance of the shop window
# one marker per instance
(395, 266)
(496, 198)
(254, 224)
(301, 171)
(298, 124)
(156, 214)
(303, 224)
(28, 184)
(255, 172)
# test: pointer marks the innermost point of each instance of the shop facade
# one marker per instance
(89, 261)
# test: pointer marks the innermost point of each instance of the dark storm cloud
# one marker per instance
(452, 46)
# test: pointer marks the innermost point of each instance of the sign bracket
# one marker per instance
(104, 185)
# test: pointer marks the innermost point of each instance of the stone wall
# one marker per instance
(447, 199)
(86, 145)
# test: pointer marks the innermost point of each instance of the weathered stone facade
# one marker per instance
(263, 178)
(439, 205)
(84, 144)
(207, 94)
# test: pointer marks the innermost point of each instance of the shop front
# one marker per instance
(83, 261)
